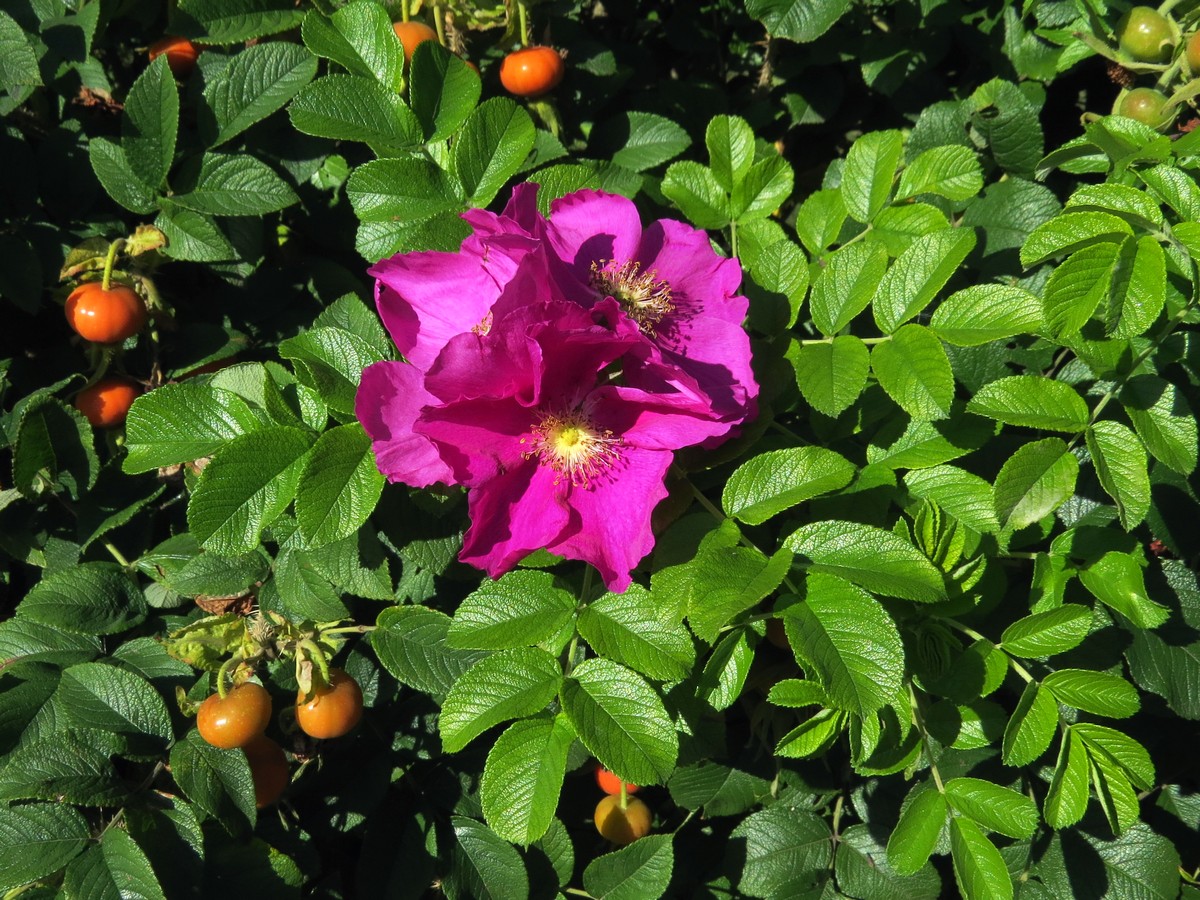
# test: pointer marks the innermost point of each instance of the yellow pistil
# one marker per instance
(572, 446)
(644, 296)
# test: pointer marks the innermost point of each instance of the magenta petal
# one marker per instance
(654, 422)
(479, 438)
(613, 531)
(389, 399)
(717, 355)
(425, 299)
(590, 226)
(702, 283)
(512, 515)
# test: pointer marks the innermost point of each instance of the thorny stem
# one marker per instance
(919, 722)
(109, 261)
(523, 20)
(439, 23)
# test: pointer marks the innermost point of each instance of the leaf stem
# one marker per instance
(523, 20)
(117, 555)
(110, 261)
(439, 23)
(919, 722)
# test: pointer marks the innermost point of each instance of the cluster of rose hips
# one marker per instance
(1151, 42)
(239, 719)
(106, 315)
(527, 72)
(620, 817)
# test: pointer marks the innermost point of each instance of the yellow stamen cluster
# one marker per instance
(572, 446)
(644, 296)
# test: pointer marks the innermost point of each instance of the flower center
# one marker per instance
(572, 446)
(644, 296)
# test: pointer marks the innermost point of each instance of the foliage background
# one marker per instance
(969, 496)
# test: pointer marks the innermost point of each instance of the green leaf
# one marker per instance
(1047, 633)
(979, 868)
(151, 123)
(233, 21)
(916, 277)
(952, 172)
(797, 20)
(1034, 482)
(118, 178)
(993, 806)
(18, 63)
(644, 140)
(62, 767)
(483, 865)
(730, 143)
(22, 640)
(520, 608)
(95, 695)
(1031, 727)
(1121, 749)
(1120, 463)
(722, 582)
(236, 186)
(641, 870)
(339, 486)
(1032, 401)
(183, 422)
(1130, 204)
(406, 190)
(621, 720)
(444, 90)
(246, 488)
(411, 644)
(354, 108)
(1066, 801)
(986, 312)
(1163, 420)
(1114, 792)
(117, 868)
(846, 284)
(1116, 580)
(879, 561)
(360, 38)
(1098, 693)
(628, 628)
(695, 190)
(813, 736)
(863, 870)
(831, 376)
(192, 236)
(53, 446)
(915, 372)
(523, 777)
(506, 685)
(90, 598)
(719, 790)
(780, 843)
(768, 183)
(899, 227)
(725, 672)
(772, 482)
(1138, 291)
(1068, 232)
(797, 693)
(869, 172)
(819, 220)
(217, 781)
(1077, 287)
(38, 839)
(331, 360)
(255, 83)
(846, 639)
(490, 148)
(962, 494)
(1175, 188)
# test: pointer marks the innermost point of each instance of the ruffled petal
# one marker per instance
(610, 525)
(702, 283)
(390, 398)
(512, 515)
(478, 439)
(588, 227)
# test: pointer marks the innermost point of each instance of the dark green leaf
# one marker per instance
(506, 685)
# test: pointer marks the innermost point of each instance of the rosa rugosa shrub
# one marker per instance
(792, 413)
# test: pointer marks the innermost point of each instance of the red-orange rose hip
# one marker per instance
(268, 768)
(107, 402)
(105, 317)
(611, 784)
(532, 71)
(181, 54)
(235, 719)
(412, 34)
(333, 709)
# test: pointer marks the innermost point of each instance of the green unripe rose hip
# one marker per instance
(1145, 34)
